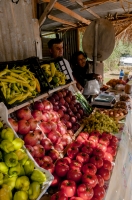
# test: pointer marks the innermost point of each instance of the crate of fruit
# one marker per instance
(21, 80)
(23, 176)
(56, 72)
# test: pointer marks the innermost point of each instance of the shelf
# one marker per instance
(45, 95)
(61, 87)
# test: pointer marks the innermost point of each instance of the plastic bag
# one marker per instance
(120, 187)
(91, 88)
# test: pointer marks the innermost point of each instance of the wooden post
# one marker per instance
(46, 11)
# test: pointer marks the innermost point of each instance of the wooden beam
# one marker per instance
(94, 2)
(34, 9)
(124, 29)
(69, 12)
(61, 21)
(46, 11)
(88, 9)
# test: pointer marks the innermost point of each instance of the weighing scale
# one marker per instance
(103, 99)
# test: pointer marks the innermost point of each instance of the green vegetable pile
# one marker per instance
(100, 122)
(81, 99)
(18, 84)
(19, 180)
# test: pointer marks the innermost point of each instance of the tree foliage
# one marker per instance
(120, 48)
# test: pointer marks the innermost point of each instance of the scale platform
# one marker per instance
(104, 100)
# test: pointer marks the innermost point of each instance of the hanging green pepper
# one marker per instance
(28, 167)
(7, 146)
(34, 190)
(11, 159)
(7, 134)
(38, 176)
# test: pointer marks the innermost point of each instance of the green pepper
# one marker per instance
(22, 156)
(15, 171)
(7, 146)
(1, 178)
(20, 195)
(1, 157)
(22, 183)
(22, 172)
(38, 176)
(11, 159)
(34, 190)
(10, 181)
(18, 143)
(3, 168)
(28, 167)
(7, 134)
(5, 193)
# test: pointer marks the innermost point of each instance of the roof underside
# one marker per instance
(110, 8)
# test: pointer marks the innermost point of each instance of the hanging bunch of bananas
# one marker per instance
(54, 76)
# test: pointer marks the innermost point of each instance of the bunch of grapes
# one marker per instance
(101, 122)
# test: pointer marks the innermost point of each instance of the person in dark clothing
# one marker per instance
(80, 67)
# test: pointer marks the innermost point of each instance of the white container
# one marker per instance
(49, 177)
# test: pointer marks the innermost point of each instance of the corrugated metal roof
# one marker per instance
(16, 30)
(102, 11)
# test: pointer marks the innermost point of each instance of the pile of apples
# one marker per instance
(82, 173)
(70, 111)
(45, 136)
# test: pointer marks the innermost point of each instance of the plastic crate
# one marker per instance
(60, 65)
(33, 65)
(49, 177)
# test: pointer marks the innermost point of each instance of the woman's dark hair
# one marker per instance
(75, 57)
(54, 41)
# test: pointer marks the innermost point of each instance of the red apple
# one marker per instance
(54, 154)
(30, 139)
(56, 180)
(38, 105)
(59, 147)
(24, 113)
(33, 124)
(39, 151)
(39, 161)
(47, 105)
(14, 124)
(53, 136)
(30, 149)
(39, 134)
(37, 115)
(49, 166)
(23, 127)
(47, 144)
(47, 159)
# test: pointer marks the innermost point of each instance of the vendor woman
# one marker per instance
(80, 67)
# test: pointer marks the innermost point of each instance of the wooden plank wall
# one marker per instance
(17, 40)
